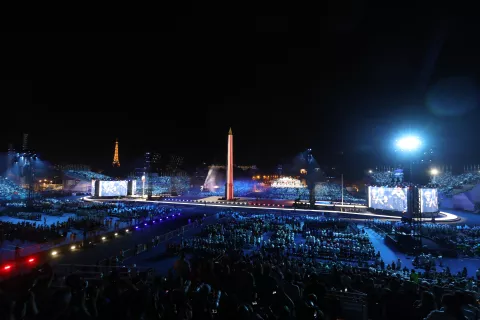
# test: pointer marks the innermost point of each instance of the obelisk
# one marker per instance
(229, 195)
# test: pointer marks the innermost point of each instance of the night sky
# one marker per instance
(345, 83)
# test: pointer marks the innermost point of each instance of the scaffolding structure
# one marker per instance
(415, 213)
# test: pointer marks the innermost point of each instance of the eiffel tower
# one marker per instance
(116, 162)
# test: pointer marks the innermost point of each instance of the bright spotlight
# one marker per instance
(434, 172)
(72, 248)
(54, 253)
(103, 238)
(409, 143)
(370, 171)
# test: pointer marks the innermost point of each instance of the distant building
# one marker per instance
(10, 161)
(246, 168)
(174, 163)
(153, 161)
(76, 167)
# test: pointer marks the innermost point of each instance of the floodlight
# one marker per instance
(409, 143)
(434, 171)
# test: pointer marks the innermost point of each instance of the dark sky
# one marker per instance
(350, 79)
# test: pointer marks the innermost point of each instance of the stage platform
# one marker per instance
(250, 201)
(405, 243)
(444, 217)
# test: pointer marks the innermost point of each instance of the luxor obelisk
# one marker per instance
(229, 186)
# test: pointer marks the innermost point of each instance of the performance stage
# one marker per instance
(444, 217)
(405, 243)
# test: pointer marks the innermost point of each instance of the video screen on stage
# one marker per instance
(383, 198)
(92, 192)
(113, 188)
(428, 200)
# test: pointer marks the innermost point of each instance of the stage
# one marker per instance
(274, 205)
(405, 243)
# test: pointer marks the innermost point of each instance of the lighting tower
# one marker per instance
(26, 161)
(29, 171)
(311, 177)
(148, 174)
(116, 161)
(410, 145)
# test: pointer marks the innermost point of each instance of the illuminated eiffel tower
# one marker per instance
(116, 162)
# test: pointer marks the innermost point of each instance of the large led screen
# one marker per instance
(394, 199)
(92, 192)
(428, 200)
(112, 188)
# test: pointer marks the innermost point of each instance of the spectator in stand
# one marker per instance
(9, 190)
(447, 182)
(182, 267)
(253, 266)
(452, 309)
(424, 306)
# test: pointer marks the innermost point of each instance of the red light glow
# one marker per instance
(7, 267)
(31, 260)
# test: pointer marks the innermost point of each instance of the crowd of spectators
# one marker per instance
(381, 178)
(253, 266)
(333, 192)
(163, 184)
(462, 238)
(286, 193)
(9, 190)
(87, 218)
(317, 238)
(241, 189)
(392, 292)
(241, 286)
(447, 182)
(323, 192)
(86, 175)
(33, 232)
